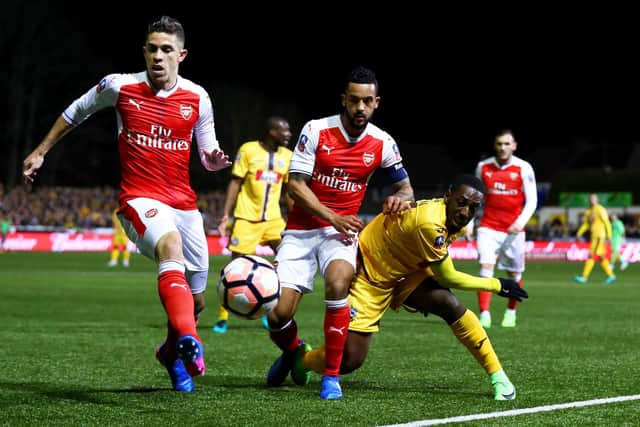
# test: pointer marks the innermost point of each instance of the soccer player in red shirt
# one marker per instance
(510, 201)
(158, 112)
(331, 165)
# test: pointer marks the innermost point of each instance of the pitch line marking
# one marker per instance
(516, 412)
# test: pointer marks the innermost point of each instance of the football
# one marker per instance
(249, 286)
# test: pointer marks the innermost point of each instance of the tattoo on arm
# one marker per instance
(404, 190)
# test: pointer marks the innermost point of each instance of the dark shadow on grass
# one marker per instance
(234, 325)
(80, 394)
(412, 388)
(348, 385)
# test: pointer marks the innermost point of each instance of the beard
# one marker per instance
(352, 121)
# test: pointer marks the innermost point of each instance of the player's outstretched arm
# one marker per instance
(33, 162)
(447, 276)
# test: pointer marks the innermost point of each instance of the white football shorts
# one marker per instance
(302, 251)
(505, 248)
(150, 219)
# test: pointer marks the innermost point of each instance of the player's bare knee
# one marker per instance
(338, 278)
(444, 304)
(337, 289)
(355, 351)
(169, 246)
(279, 316)
(284, 311)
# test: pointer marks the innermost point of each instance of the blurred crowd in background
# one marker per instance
(58, 208)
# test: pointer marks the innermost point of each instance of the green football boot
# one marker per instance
(509, 319)
(502, 387)
(300, 375)
(485, 319)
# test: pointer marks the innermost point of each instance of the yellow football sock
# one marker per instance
(126, 255)
(114, 255)
(470, 332)
(588, 266)
(223, 314)
(314, 360)
(605, 266)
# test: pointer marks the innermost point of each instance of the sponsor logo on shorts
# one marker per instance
(151, 213)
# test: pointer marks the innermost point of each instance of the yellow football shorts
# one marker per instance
(119, 241)
(246, 235)
(597, 247)
(369, 302)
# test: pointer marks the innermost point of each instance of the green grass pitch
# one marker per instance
(77, 348)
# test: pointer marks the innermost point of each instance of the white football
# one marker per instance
(249, 286)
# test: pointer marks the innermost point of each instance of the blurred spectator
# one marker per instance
(617, 238)
(71, 208)
(5, 225)
(556, 228)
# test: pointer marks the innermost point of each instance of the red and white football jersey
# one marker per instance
(339, 166)
(155, 130)
(511, 194)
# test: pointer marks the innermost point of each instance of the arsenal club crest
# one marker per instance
(186, 111)
(368, 158)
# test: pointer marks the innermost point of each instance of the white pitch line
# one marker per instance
(516, 412)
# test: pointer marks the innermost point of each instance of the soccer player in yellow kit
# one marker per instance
(258, 174)
(119, 243)
(404, 262)
(596, 220)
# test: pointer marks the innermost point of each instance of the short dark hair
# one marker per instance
(362, 75)
(169, 25)
(468, 180)
(504, 131)
(273, 122)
